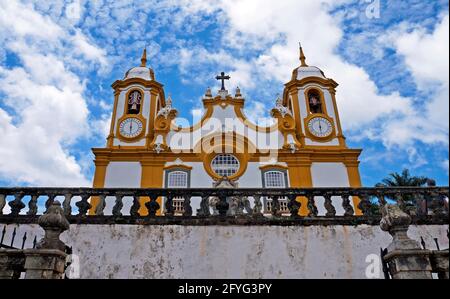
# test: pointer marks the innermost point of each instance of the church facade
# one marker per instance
(302, 146)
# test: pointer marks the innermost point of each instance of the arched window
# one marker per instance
(314, 102)
(134, 102)
(225, 165)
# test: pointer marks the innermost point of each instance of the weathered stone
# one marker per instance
(44, 263)
(405, 257)
(11, 263)
(54, 223)
(2, 203)
(440, 263)
(396, 222)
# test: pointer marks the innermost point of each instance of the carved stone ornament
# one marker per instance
(168, 109)
(54, 223)
(397, 222)
(280, 108)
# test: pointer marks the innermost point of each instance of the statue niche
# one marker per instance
(314, 101)
(134, 102)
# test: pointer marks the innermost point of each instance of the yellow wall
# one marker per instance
(152, 177)
(99, 181)
(355, 181)
(300, 177)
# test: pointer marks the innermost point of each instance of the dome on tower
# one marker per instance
(305, 70)
(309, 71)
(139, 72)
(142, 71)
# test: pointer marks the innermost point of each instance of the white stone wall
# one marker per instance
(132, 251)
(122, 175)
(330, 175)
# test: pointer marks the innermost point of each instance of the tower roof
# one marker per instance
(142, 71)
(305, 70)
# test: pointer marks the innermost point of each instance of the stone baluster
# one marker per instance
(32, 205)
(204, 207)
(293, 205)
(17, 204)
(346, 205)
(2, 203)
(118, 205)
(381, 199)
(187, 206)
(152, 205)
(257, 208)
(331, 211)
(134, 210)
(365, 205)
(49, 201)
(421, 204)
(83, 205)
(67, 207)
(100, 208)
(400, 201)
(313, 212)
(222, 205)
(275, 208)
(437, 204)
(48, 260)
(168, 204)
(405, 258)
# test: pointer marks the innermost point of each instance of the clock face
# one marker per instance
(320, 127)
(131, 127)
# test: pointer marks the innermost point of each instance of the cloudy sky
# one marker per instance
(59, 59)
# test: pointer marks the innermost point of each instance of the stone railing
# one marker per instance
(239, 206)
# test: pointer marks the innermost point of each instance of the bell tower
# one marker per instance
(137, 99)
(140, 122)
(312, 98)
(323, 155)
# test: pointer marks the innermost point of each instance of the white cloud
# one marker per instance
(426, 55)
(43, 109)
(274, 29)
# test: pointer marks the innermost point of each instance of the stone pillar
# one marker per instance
(439, 262)
(405, 257)
(11, 263)
(47, 261)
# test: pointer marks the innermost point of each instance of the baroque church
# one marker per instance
(303, 146)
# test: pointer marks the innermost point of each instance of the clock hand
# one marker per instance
(131, 126)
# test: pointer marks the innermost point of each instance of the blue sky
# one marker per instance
(58, 61)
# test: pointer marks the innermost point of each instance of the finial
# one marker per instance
(144, 58)
(169, 101)
(279, 101)
(238, 92)
(208, 93)
(302, 55)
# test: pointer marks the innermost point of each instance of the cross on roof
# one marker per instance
(222, 77)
